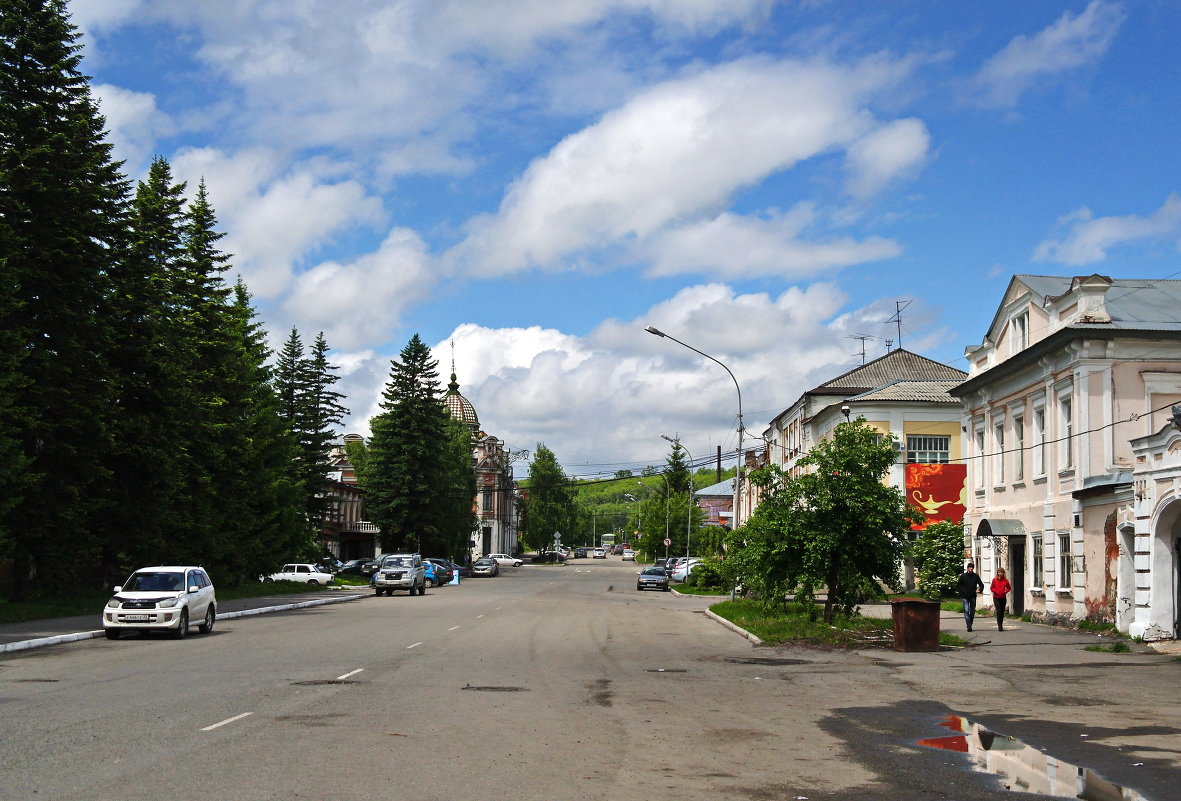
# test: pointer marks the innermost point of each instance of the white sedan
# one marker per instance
(303, 573)
(629, 555)
(505, 560)
(683, 569)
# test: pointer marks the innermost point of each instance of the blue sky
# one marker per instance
(538, 180)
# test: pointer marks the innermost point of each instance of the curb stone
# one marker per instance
(57, 639)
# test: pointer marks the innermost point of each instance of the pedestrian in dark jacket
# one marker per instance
(969, 586)
(1000, 590)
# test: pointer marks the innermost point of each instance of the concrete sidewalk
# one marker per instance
(1020, 640)
(54, 631)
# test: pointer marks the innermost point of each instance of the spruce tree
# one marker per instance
(320, 413)
(260, 497)
(62, 201)
(406, 454)
(220, 374)
(148, 513)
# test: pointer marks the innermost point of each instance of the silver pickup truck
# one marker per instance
(400, 571)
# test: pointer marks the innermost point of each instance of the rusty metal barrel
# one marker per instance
(916, 624)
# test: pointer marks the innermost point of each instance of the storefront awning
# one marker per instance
(1000, 527)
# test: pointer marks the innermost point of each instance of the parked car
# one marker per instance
(330, 564)
(548, 557)
(444, 570)
(303, 573)
(599, 554)
(359, 567)
(162, 599)
(661, 562)
(652, 578)
(580, 553)
(683, 569)
(504, 560)
(400, 571)
(486, 567)
(629, 555)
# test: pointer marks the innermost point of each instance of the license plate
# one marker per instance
(136, 618)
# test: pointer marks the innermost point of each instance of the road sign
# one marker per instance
(667, 542)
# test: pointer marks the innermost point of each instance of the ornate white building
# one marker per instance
(495, 503)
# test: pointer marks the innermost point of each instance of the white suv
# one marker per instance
(505, 560)
(400, 571)
(162, 598)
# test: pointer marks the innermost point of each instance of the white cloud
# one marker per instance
(275, 219)
(731, 246)
(891, 151)
(397, 81)
(679, 150)
(134, 124)
(534, 384)
(1088, 238)
(364, 301)
(1073, 41)
(96, 15)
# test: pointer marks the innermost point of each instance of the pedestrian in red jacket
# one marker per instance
(1000, 590)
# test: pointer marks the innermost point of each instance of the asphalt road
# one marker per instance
(557, 682)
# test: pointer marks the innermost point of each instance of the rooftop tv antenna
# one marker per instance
(899, 305)
(863, 338)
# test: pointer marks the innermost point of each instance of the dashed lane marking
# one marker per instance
(227, 720)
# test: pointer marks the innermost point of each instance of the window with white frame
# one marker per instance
(1038, 565)
(1066, 432)
(1018, 448)
(998, 452)
(1019, 333)
(1039, 442)
(1064, 567)
(978, 462)
(928, 450)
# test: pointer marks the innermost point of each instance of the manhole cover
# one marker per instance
(495, 689)
(666, 670)
(319, 682)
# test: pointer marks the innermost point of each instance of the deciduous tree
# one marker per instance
(837, 527)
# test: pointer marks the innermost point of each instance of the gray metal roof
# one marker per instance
(909, 390)
(894, 366)
(1132, 303)
(723, 489)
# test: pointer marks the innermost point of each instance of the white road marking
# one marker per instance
(227, 720)
(453, 628)
(478, 617)
(350, 673)
(408, 647)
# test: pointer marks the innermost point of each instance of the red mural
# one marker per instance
(938, 490)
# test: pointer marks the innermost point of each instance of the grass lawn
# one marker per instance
(91, 603)
(687, 590)
(792, 625)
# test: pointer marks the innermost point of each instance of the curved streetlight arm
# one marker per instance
(738, 477)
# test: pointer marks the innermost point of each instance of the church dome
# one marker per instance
(459, 407)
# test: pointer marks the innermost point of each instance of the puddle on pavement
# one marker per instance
(1023, 768)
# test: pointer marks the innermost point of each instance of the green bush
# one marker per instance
(939, 558)
(706, 575)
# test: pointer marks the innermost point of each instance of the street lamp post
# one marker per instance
(735, 520)
(689, 509)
